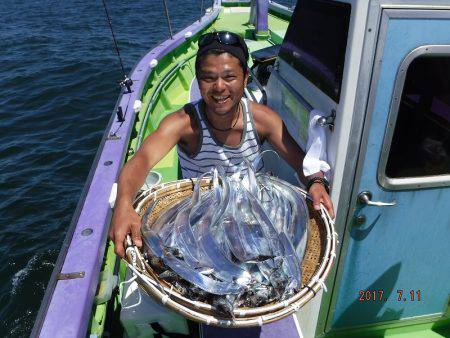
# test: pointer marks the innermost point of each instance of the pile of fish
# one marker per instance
(240, 243)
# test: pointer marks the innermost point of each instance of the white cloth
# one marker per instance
(316, 147)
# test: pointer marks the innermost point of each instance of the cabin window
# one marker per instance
(421, 140)
(316, 41)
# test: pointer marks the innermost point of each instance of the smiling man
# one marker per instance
(220, 129)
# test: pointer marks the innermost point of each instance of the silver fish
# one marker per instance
(156, 247)
(152, 243)
(197, 278)
(184, 237)
(298, 229)
(256, 246)
(224, 269)
(291, 263)
(239, 241)
(163, 224)
(235, 239)
(267, 227)
(185, 240)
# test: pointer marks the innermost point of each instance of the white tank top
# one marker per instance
(211, 152)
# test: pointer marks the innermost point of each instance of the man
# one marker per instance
(220, 129)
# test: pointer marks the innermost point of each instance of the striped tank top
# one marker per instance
(211, 152)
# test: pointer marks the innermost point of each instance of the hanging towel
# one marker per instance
(316, 148)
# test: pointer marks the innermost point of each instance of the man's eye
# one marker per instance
(208, 78)
(230, 77)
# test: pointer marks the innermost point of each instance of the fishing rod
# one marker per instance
(168, 19)
(201, 11)
(126, 83)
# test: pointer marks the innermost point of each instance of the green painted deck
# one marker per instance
(236, 21)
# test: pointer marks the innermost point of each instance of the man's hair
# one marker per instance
(216, 51)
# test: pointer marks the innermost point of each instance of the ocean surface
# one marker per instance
(58, 74)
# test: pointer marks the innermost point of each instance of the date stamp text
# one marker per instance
(380, 296)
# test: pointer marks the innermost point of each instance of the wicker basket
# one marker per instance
(316, 264)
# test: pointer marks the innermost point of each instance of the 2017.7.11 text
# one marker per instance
(380, 295)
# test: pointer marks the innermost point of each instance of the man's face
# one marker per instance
(221, 81)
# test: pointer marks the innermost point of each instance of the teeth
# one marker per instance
(220, 98)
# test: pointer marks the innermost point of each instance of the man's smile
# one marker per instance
(221, 99)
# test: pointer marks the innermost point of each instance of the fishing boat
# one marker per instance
(378, 71)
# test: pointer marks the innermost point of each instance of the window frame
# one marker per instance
(415, 182)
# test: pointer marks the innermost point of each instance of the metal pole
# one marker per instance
(168, 19)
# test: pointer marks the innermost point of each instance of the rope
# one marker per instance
(168, 19)
(130, 250)
(322, 284)
(260, 321)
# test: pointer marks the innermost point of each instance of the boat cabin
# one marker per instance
(379, 70)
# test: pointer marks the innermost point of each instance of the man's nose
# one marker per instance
(219, 85)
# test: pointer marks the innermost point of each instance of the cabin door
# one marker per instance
(396, 258)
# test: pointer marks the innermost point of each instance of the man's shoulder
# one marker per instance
(180, 121)
(266, 120)
(187, 112)
(263, 114)
(180, 116)
(176, 121)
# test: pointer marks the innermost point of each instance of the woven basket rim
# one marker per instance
(244, 317)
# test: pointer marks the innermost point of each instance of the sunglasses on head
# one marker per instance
(224, 38)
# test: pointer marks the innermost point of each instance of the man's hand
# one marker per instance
(125, 221)
(320, 195)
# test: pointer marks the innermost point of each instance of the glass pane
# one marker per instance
(421, 140)
(315, 43)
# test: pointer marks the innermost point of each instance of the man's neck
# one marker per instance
(223, 121)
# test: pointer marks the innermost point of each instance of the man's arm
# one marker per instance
(270, 126)
(125, 220)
